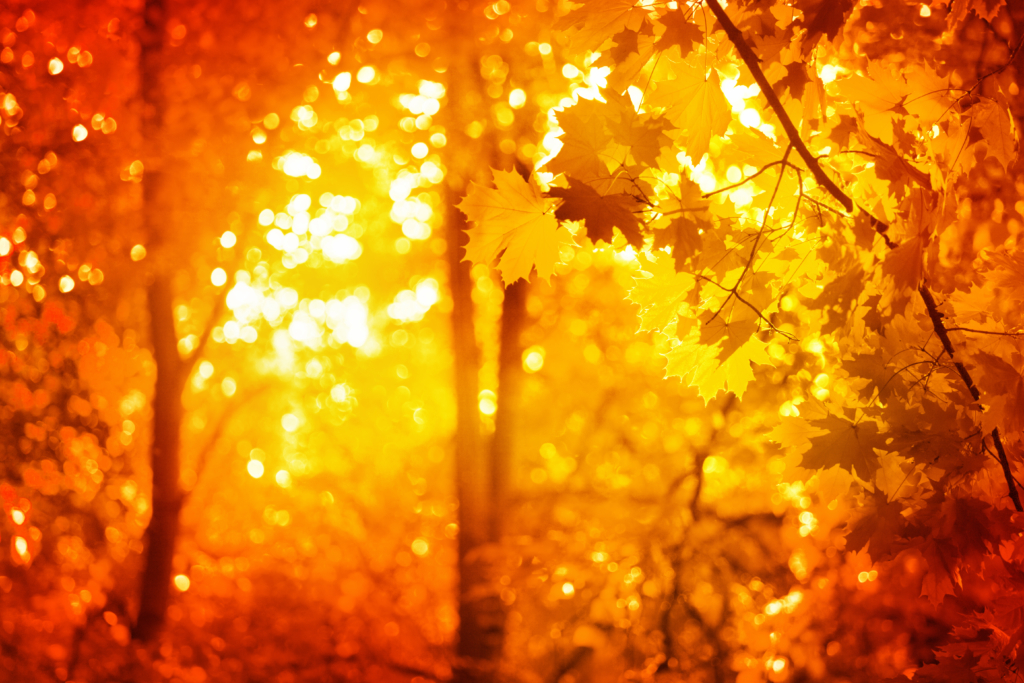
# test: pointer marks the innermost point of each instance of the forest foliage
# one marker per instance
(770, 396)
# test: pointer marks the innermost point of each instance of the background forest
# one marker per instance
(527, 340)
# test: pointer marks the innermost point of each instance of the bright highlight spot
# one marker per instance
(297, 164)
(255, 469)
(342, 81)
(366, 74)
(290, 422)
(182, 582)
(488, 402)
(533, 359)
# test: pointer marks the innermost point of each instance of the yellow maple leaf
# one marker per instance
(659, 291)
(725, 362)
(997, 130)
(694, 102)
(514, 220)
(598, 20)
(884, 94)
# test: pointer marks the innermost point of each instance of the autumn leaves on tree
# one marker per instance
(825, 191)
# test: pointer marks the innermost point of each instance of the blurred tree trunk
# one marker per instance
(481, 622)
(506, 419)
(171, 370)
(481, 613)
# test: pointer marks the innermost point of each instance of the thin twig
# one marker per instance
(744, 181)
(993, 332)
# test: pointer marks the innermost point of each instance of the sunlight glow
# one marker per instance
(342, 82)
(255, 469)
(297, 164)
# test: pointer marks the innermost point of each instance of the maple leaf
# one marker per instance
(686, 216)
(905, 264)
(679, 31)
(843, 128)
(513, 219)
(1006, 271)
(880, 96)
(795, 80)
(624, 45)
(645, 137)
(1002, 387)
(599, 213)
(598, 20)
(850, 445)
(583, 141)
(720, 358)
(944, 449)
(840, 296)
(996, 129)
(629, 59)
(893, 168)
(659, 291)
(874, 368)
(694, 102)
(683, 236)
(822, 17)
(730, 335)
(896, 477)
(960, 9)
(881, 528)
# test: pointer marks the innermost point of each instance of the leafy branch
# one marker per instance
(750, 59)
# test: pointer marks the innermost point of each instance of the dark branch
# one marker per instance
(750, 59)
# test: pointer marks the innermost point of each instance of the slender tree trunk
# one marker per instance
(165, 462)
(481, 612)
(481, 617)
(506, 422)
(171, 371)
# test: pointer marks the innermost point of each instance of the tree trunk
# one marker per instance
(481, 617)
(165, 461)
(171, 371)
(506, 423)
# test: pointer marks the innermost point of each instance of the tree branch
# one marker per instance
(751, 60)
(940, 330)
(222, 423)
